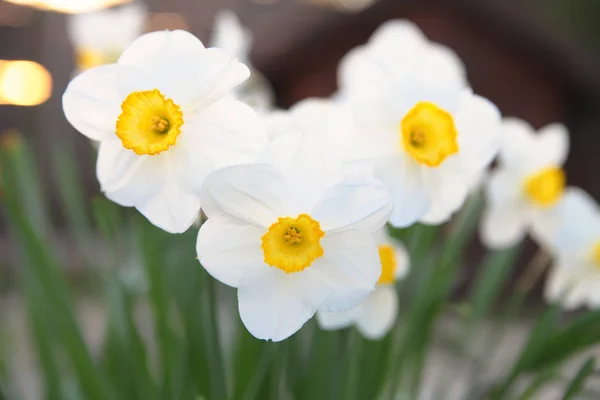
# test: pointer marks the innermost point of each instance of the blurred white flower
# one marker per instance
(100, 37)
(230, 35)
(293, 237)
(321, 125)
(163, 123)
(523, 191)
(375, 316)
(574, 280)
(424, 130)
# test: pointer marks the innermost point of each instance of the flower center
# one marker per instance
(428, 134)
(149, 123)
(545, 187)
(292, 244)
(387, 255)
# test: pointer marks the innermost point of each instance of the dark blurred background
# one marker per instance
(536, 59)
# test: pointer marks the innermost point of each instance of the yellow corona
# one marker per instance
(428, 134)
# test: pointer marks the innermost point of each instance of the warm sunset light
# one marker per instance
(69, 6)
(24, 83)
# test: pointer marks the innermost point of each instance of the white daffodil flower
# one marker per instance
(319, 124)
(375, 316)
(100, 37)
(293, 237)
(425, 131)
(230, 35)
(523, 191)
(574, 279)
(164, 122)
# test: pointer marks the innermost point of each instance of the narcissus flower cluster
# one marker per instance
(297, 201)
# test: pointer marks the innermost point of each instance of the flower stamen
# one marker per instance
(545, 187)
(292, 244)
(160, 124)
(428, 134)
(149, 122)
(292, 235)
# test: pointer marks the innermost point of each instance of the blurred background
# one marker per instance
(536, 59)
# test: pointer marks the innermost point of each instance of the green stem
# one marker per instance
(218, 389)
(353, 352)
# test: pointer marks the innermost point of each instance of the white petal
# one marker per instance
(553, 143)
(558, 284)
(308, 166)
(278, 123)
(442, 65)
(92, 102)
(228, 251)
(366, 206)
(447, 190)
(274, 305)
(401, 49)
(573, 284)
(379, 313)
(244, 194)
(414, 89)
(517, 142)
(350, 265)
(190, 165)
(218, 75)
(402, 260)
(544, 225)
(126, 178)
(504, 187)
(183, 69)
(404, 180)
(222, 138)
(579, 229)
(331, 321)
(159, 48)
(172, 208)
(503, 226)
(324, 118)
(360, 77)
(397, 36)
(479, 132)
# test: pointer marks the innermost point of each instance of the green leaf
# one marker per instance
(535, 346)
(433, 288)
(218, 388)
(153, 243)
(577, 384)
(581, 333)
(108, 218)
(353, 352)
(126, 351)
(46, 274)
(187, 285)
(537, 383)
(494, 272)
(69, 188)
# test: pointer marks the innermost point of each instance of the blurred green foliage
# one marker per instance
(197, 348)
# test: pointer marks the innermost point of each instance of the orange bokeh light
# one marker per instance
(69, 6)
(24, 83)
